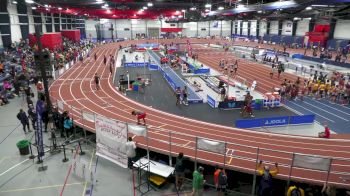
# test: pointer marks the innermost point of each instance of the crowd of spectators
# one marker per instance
(17, 64)
(334, 88)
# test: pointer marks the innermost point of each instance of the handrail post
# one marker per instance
(256, 164)
(329, 170)
(82, 122)
(225, 156)
(290, 170)
(170, 156)
(195, 155)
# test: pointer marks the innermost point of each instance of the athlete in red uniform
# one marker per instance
(326, 133)
(139, 115)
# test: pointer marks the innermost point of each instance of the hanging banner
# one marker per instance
(111, 137)
(137, 130)
(311, 162)
(211, 146)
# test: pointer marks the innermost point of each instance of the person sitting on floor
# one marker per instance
(326, 133)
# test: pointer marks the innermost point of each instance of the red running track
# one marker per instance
(171, 134)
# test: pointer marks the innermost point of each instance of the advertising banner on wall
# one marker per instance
(111, 137)
(287, 28)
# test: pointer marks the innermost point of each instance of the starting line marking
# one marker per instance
(187, 144)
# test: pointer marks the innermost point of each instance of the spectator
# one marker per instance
(179, 171)
(265, 187)
(295, 190)
(130, 151)
(198, 182)
(68, 125)
(220, 180)
(23, 118)
(32, 115)
(326, 133)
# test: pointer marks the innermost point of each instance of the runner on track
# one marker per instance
(97, 81)
(139, 115)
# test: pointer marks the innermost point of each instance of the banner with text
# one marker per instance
(111, 137)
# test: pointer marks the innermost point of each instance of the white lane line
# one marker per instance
(329, 106)
(312, 112)
(327, 111)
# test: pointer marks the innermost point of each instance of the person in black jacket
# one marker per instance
(45, 118)
(22, 116)
(32, 115)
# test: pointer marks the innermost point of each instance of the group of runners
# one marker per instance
(228, 66)
(111, 61)
(181, 96)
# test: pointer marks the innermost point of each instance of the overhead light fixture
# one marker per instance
(183, 10)
(46, 5)
(85, 14)
(29, 1)
(259, 11)
(193, 8)
(177, 12)
(149, 4)
(221, 8)
(207, 10)
(106, 4)
(296, 18)
(307, 18)
(144, 8)
(308, 8)
(207, 5)
(33, 8)
(180, 16)
(99, 1)
(59, 8)
(14, 2)
(47, 9)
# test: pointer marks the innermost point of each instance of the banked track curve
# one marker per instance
(76, 90)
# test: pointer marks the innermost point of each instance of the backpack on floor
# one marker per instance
(222, 178)
(296, 192)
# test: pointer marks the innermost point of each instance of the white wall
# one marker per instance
(302, 27)
(238, 26)
(215, 27)
(202, 25)
(43, 23)
(262, 28)
(16, 34)
(342, 29)
(30, 20)
(245, 28)
(190, 29)
(274, 27)
(226, 28)
(253, 27)
(287, 27)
